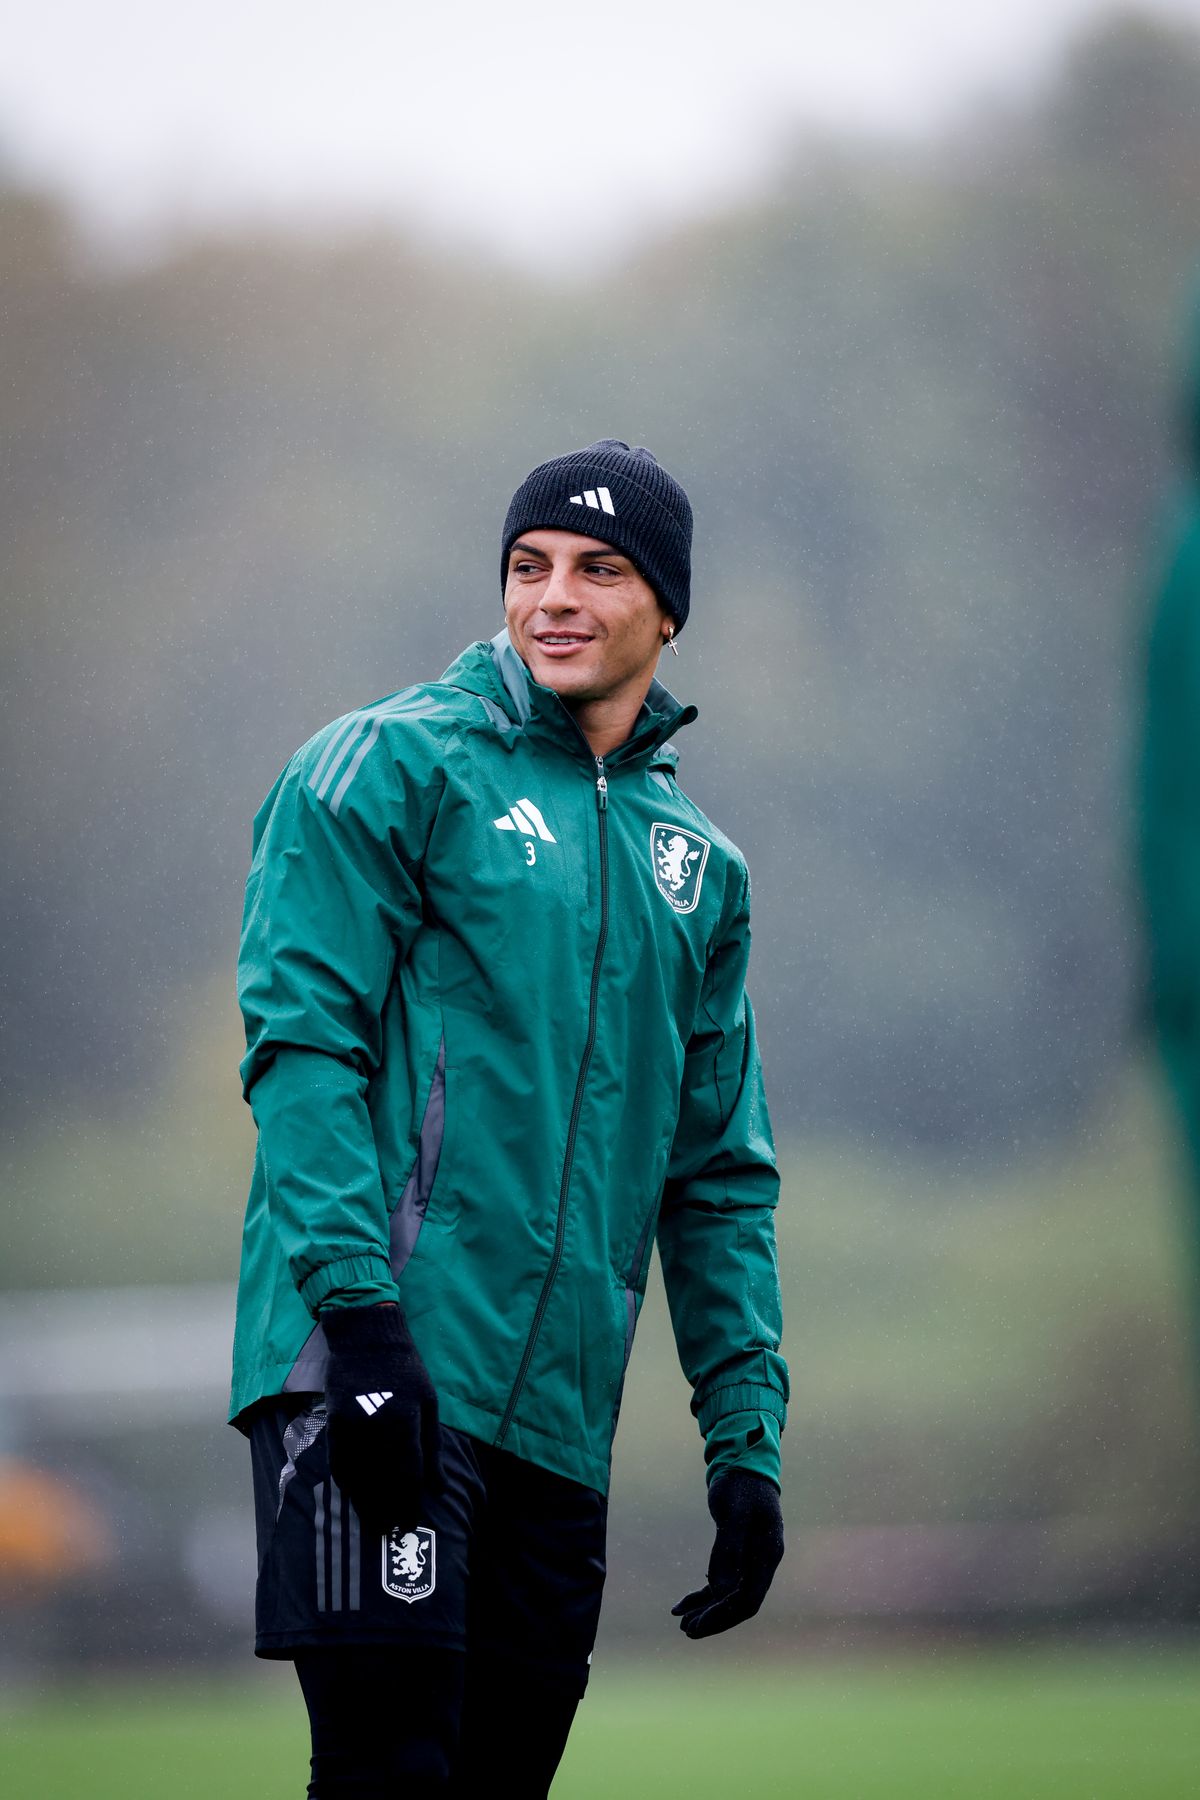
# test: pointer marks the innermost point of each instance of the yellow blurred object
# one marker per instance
(48, 1532)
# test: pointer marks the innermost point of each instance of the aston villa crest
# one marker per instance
(410, 1563)
(678, 858)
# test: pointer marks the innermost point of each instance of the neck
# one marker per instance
(608, 723)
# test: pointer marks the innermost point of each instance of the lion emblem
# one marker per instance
(409, 1557)
(675, 859)
(409, 1564)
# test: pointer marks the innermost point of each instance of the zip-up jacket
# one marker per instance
(498, 1042)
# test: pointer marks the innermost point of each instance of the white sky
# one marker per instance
(552, 131)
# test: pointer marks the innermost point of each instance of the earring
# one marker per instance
(671, 640)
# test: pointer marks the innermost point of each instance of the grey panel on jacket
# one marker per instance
(409, 1215)
(308, 1370)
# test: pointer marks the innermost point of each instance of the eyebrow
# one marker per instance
(609, 553)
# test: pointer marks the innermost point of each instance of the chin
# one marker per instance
(566, 681)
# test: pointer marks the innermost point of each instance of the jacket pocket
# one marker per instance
(413, 1203)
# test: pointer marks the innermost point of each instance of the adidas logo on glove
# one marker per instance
(371, 1403)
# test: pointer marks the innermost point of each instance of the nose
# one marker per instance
(558, 595)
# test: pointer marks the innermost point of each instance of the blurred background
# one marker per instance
(292, 298)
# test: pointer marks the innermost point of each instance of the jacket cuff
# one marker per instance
(739, 1396)
(349, 1281)
(746, 1441)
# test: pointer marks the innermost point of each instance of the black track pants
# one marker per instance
(390, 1724)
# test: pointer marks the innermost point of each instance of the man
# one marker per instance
(498, 1044)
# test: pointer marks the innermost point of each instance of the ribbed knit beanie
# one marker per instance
(622, 496)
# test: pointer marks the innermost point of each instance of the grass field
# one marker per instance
(1096, 1726)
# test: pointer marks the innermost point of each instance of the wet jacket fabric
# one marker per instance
(498, 1044)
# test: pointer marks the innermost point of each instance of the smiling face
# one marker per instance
(585, 623)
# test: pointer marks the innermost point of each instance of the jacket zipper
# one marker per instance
(576, 1108)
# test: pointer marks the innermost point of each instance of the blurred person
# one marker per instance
(1169, 818)
(493, 978)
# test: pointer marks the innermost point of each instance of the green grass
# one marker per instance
(1099, 1726)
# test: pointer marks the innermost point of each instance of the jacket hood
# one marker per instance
(494, 672)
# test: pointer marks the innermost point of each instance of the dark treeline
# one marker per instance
(921, 401)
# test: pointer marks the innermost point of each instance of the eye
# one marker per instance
(601, 569)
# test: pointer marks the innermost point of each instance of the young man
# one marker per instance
(493, 975)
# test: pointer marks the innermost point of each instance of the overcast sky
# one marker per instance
(550, 130)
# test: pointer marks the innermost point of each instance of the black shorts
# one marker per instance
(507, 1561)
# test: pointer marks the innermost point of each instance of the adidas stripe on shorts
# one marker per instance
(508, 1560)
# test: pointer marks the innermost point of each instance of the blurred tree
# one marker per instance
(915, 396)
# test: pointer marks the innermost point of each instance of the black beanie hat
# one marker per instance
(623, 496)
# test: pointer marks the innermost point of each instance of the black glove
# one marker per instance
(747, 1552)
(383, 1416)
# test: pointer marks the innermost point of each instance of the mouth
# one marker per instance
(561, 643)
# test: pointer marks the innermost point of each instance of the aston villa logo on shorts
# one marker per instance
(410, 1564)
(678, 858)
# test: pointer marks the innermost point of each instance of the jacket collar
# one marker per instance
(496, 673)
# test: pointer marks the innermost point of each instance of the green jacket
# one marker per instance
(498, 1043)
